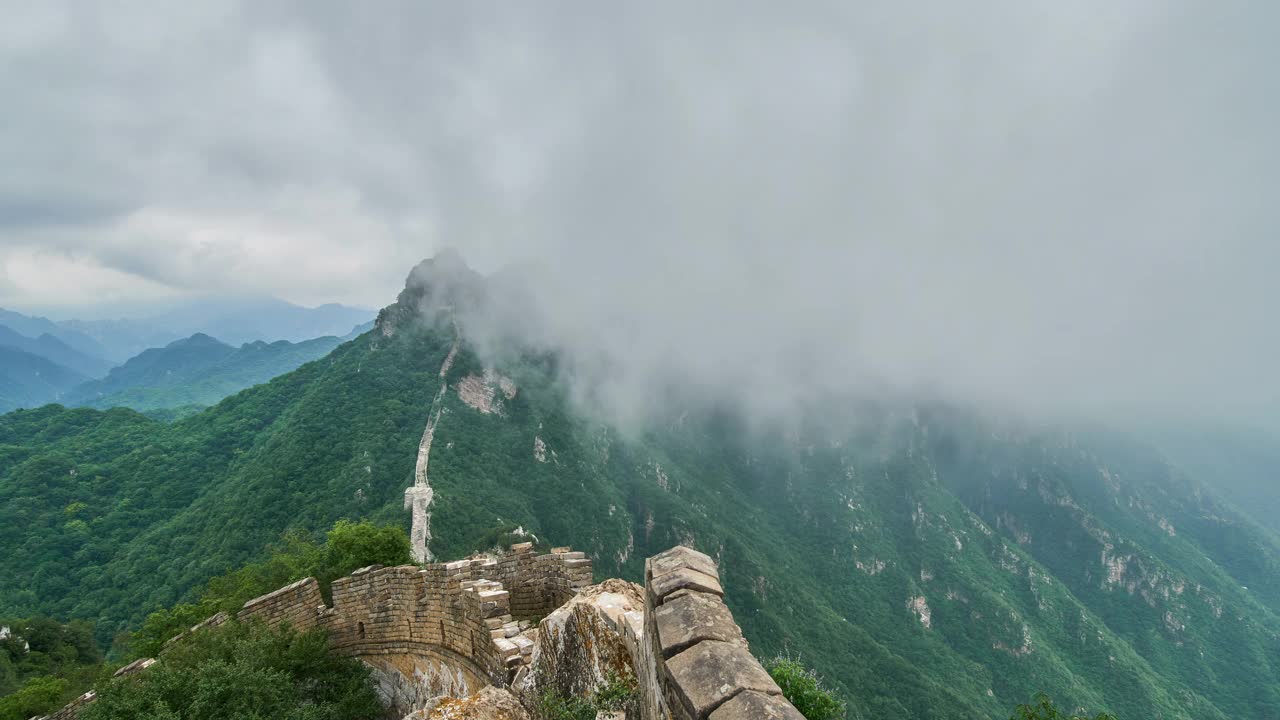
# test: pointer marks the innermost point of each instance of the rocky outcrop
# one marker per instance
(490, 703)
(586, 643)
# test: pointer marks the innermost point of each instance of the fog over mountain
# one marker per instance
(1043, 207)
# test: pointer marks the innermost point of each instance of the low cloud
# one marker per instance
(1047, 207)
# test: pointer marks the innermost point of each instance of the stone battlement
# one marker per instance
(452, 629)
(465, 617)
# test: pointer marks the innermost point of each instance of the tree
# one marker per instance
(351, 546)
(1042, 708)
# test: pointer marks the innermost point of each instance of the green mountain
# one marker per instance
(198, 370)
(28, 380)
(51, 348)
(929, 561)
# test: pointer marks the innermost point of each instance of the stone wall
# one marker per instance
(541, 583)
(695, 664)
(452, 629)
(445, 629)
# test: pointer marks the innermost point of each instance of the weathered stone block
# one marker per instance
(707, 674)
(692, 618)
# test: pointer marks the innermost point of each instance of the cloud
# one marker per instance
(1046, 206)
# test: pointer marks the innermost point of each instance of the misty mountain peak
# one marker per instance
(436, 285)
(445, 269)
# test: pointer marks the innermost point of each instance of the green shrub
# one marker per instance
(243, 671)
(351, 546)
(804, 689)
(1042, 708)
(554, 706)
(617, 693)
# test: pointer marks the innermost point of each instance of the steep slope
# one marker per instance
(198, 370)
(931, 563)
(51, 348)
(28, 380)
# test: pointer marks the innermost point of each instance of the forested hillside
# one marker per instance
(929, 562)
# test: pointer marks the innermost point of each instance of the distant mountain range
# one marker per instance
(172, 358)
(55, 350)
(39, 370)
(33, 327)
(197, 371)
(234, 321)
(28, 380)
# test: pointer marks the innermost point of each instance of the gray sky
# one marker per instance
(1067, 205)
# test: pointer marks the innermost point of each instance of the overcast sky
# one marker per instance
(1066, 204)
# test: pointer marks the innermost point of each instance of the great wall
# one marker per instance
(494, 633)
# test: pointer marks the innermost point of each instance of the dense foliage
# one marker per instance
(243, 672)
(929, 563)
(805, 690)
